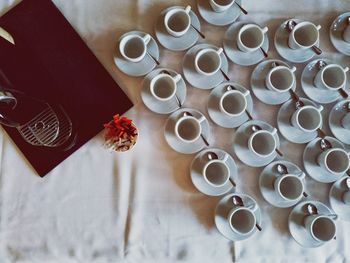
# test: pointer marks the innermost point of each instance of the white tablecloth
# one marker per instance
(100, 206)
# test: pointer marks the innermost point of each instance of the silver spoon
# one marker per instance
(347, 182)
(256, 128)
(291, 24)
(214, 156)
(186, 113)
(312, 210)
(176, 97)
(320, 64)
(237, 201)
(242, 9)
(282, 170)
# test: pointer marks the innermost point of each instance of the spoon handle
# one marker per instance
(321, 133)
(199, 32)
(279, 152)
(154, 59)
(225, 75)
(264, 52)
(258, 227)
(232, 182)
(343, 93)
(305, 194)
(242, 9)
(205, 140)
(317, 50)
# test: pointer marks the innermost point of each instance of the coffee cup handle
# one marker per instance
(225, 157)
(318, 27)
(333, 216)
(265, 29)
(274, 131)
(246, 93)
(346, 69)
(146, 39)
(201, 119)
(253, 207)
(188, 9)
(320, 108)
(219, 51)
(301, 175)
(177, 78)
(293, 69)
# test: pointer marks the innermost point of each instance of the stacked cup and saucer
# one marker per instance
(297, 40)
(176, 28)
(340, 33)
(136, 54)
(246, 43)
(219, 12)
(339, 121)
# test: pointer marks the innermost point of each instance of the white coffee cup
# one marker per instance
(280, 79)
(242, 219)
(345, 121)
(332, 77)
(307, 118)
(216, 172)
(290, 187)
(221, 5)
(133, 47)
(263, 143)
(163, 86)
(251, 37)
(304, 35)
(334, 160)
(208, 61)
(234, 103)
(346, 197)
(346, 33)
(188, 128)
(322, 228)
(177, 21)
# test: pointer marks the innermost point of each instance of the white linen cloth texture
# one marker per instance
(99, 206)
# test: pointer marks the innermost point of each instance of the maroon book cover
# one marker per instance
(52, 63)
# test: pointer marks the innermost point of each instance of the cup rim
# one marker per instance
(302, 24)
(206, 167)
(252, 148)
(155, 79)
(201, 53)
(328, 152)
(332, 66)
(273, 70)
(167, 17)
(228, 93)
(302, 109)
(179, 121)
(234, 210)
(284, 177)
(317, 217)
(127, 38)
(249, 26)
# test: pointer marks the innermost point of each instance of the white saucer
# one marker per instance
(285, 127)
(237, 56)
(336, 34)
(318, 95)
(162, 107)
(221, 214)
(141, 68)
(311, 152)
(218, 18)
(177, 43)
(335, 199)
(197, 177)
(177, 144)
(259, 87)
(218, 116)
(240, 145)
(196, 79)
(267, 179)
(335, 116)
(296, 223)
(293, 55)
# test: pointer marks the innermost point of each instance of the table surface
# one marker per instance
(99, 206)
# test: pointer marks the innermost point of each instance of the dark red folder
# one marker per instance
(51, 62)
